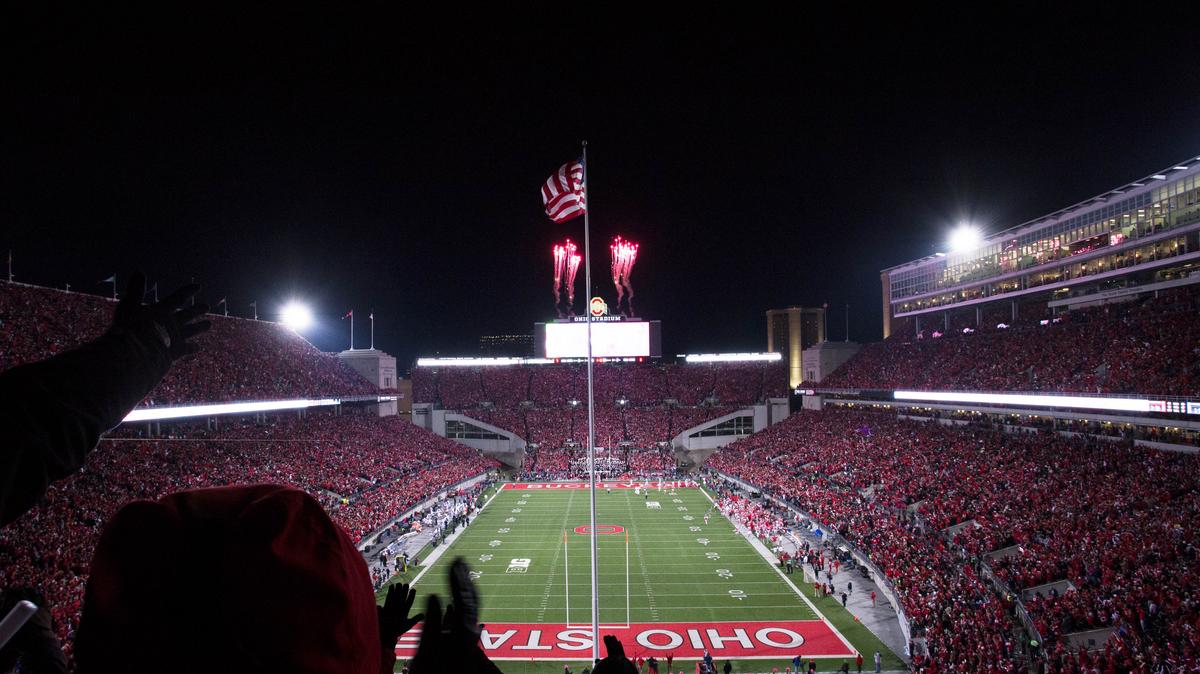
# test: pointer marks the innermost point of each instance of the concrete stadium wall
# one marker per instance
(509, 449)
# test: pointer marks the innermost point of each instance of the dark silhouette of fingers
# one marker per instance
(191, 313)
(180, 296)
(192, 329)
(135, 290)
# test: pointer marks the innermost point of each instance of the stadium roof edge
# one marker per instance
(1188, 164)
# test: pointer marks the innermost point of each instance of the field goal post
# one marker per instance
(567, 586)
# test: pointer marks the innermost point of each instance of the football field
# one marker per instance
(670, 583)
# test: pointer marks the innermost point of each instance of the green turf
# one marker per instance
(672, 577)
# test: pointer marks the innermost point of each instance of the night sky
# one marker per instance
(362, 163)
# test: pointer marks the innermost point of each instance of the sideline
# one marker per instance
(441, 549)
(772, 562)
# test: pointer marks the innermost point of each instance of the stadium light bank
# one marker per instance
(690, 358)
(184, 411)
(1061, 401)
(480, 362)
(218, 409)
(730, 357)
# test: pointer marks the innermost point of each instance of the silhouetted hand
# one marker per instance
(450, 640)
(169, 320)
(393, 615)
(615, 662)
(465, 598)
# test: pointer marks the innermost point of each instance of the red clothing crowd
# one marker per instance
(1149, 346)
(36, 323)
(1116, 521)
(366, 470)
(557, 428)
(641, 384)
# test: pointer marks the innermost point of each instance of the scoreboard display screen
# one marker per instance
(610, 339)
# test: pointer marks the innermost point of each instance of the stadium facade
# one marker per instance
(1139, 237)
(790, 331)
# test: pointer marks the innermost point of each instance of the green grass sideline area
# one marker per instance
(669, 583)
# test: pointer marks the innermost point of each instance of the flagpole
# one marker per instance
(372, 317)
(351, 329)
(587, 279)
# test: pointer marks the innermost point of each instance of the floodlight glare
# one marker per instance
(296, 316)
(965, 238)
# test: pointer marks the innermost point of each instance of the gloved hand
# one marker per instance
(393, 615)
(450, 640)
(168, 321)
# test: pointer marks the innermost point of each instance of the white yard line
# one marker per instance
(550, 577)
(642, 563)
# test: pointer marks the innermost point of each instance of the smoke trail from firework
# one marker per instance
(630, 259)
(560, 259)
(615, 251)
(624, 255)
(573, 259)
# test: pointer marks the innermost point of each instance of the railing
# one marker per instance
(1000, 586)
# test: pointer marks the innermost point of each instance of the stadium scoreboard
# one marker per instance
(612, 337)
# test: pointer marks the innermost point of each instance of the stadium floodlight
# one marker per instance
(965, 238)
(296, 316)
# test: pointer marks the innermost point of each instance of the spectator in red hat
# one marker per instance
(239, 579)
(179, 584)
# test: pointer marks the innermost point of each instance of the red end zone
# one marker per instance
(627, 484)
(734, 640)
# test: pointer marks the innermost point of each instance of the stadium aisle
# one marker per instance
(880, 618)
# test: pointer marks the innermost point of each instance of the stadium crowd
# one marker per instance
(566, 428)
(893, 487)
(36, 323)
(1148, 346)
(365, 470)
(638, 405)
(641, 384)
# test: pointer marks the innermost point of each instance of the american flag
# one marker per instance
(563, 192)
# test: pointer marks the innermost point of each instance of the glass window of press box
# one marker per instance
(1148, 215)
